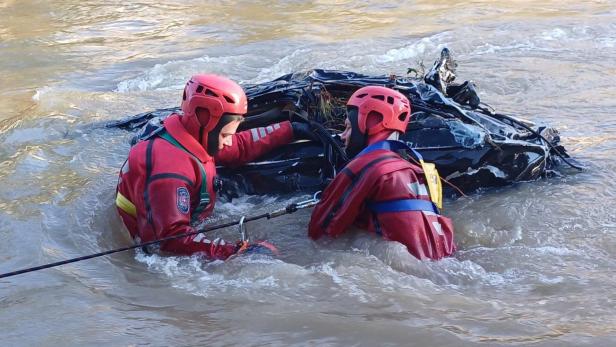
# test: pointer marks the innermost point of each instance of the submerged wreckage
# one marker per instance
(472, 146)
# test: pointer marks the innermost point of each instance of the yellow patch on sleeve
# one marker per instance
(125, 205)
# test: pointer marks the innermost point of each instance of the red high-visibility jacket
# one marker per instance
(160, 186)
(376, 177)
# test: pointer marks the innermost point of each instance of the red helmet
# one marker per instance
(218, 95)
(390, 104)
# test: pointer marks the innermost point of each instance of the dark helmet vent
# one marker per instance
(229, 99)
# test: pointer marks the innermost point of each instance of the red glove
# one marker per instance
(259, 247)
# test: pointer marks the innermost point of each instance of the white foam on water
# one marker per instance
(557, 251)
(356, 58)
(241, 274)
(345, 280)
(418, 49)
(447, 271)
(606, 42)
(242, 205)
(557, 39)
(39, 92)
(152, 79)
(554, 34)
(287, 64)
(64, 102)
(55, 97)
(209, 278)
(550, 280)
(560, 35)
(489, 48)
(172, 75)
(521, 265)
(351, 274)
(26, 135)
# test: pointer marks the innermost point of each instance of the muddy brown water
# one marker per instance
(537, 260)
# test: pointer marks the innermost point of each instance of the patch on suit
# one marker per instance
(183, 200)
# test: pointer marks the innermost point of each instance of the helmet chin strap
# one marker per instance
(358, 140)
(213, 136)
(203, 116)
(212, 139)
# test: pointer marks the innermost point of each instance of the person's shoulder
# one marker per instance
(383, 155)
(393, 163)
(138, 149)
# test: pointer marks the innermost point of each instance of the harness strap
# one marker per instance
(429, 169)
(402, 205)
(204, 196)
(355, 178)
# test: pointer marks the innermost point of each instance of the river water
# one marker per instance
(537, 260)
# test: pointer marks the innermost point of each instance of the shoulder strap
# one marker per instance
(204, 196)
(430, 172)
(355, 177)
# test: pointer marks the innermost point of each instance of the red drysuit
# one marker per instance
(160, 190)
(369, 191)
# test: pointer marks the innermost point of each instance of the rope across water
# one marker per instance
(291, 208)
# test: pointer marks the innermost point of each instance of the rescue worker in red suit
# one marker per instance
(166, 185)
(379, 190)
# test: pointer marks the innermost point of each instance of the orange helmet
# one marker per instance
(374, 112)
(216, 94)
(391, 105)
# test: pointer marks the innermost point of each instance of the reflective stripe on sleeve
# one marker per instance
(417, 188)
(125, 205)
(255, 135)
(439, 228)
(260, 133)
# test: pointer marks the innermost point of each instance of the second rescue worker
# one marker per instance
(379, 190)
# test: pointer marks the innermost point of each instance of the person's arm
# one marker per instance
(170, 215)
(338, 208)
(251, 144)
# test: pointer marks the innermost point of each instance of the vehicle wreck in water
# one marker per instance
(472, 146)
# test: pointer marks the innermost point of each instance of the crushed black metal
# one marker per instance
(472, 146)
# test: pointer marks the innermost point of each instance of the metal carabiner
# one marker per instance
(243, 231)
(309, 203)
(317, 195)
